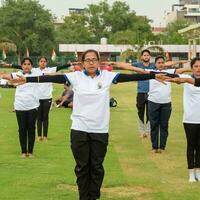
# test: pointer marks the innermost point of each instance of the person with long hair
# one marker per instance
(26, 104)
(45, 92)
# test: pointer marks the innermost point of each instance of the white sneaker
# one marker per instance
(197, 174)
(192, 178)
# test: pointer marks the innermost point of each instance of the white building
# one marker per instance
(186, 9)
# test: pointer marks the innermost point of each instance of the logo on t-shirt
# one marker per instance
(99, 85)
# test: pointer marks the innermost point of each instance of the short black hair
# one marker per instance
(145, 51)
(26, 58)
(159, 57)
(42, 57)
(88, 51)
(193, 61)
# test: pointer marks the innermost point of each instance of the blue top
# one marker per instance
(143, 86)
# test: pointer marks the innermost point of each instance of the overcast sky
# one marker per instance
(153, 9)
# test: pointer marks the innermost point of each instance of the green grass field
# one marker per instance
(132, 171)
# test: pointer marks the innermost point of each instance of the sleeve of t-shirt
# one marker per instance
(52, 69)
(135, 64)
(184, 76)
(71, 78)
(170, 71)
(111, 77)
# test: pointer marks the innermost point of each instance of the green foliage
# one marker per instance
(27, 24)
(116, 22)
(74, 30)
(123, 37)
(171, 35)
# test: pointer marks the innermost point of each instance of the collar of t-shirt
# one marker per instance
(86, 72)
(24, 73)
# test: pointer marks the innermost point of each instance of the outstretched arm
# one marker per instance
(181, 80)
(15, 66)
(175, 62)
(65, 66)
(127, 66)
(60, 78)
(140, 77)
(183, 70)
(6, 76)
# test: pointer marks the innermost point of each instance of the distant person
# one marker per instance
(143, 87)
(66, 99)
(159, 101)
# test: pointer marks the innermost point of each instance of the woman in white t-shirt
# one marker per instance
(90, 118)
(26, 104)
(45, 92)
(191, 118)
(159, 105)
(159, 101)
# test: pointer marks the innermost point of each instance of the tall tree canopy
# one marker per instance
(27, 24)
(105, 20)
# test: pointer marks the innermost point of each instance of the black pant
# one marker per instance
(89, 150)
(26, 123)
(43, 117)
(192, 132)
(142, 106)
(159, 115)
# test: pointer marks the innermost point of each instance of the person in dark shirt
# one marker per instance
(66, 99)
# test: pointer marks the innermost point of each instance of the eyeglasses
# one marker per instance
(94, 60)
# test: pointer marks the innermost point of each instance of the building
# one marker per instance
(183, 2)
(112, 52)
(76, 10)
(186, 9)
(58, 22)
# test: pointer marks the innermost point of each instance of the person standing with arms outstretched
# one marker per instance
(45, 94)
(26, 104)
(191, 118)
(90, 118)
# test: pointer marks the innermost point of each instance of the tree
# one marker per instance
(74, 30)
(27, 24)
(104, 20)
(123, 37)
(171, 35)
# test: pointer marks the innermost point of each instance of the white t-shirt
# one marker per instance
(45, 89)
(26, 95)
(191, 103)
(159, 92)
(91, 112)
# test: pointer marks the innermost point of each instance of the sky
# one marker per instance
(153, 9)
